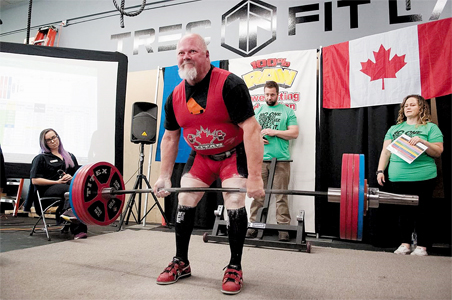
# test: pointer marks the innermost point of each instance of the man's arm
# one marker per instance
(254, 149)
(289, 134)
(168, 149)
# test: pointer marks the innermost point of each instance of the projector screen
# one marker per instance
(79, 93)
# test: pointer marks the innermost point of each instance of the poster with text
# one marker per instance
(295, 73)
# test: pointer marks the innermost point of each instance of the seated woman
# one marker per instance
(51, 173)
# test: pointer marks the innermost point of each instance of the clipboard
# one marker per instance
(402, 148)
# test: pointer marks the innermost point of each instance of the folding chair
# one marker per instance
(54, 201)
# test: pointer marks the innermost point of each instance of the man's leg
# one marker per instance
(185, 219)
(281, 181)
(238, 223)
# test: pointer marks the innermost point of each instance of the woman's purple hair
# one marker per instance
(45, 149)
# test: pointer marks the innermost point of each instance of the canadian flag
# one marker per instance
(384, 68)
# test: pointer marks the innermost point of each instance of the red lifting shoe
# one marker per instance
(175, 270)
(232, 281)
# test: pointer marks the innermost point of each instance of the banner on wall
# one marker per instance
(170, 80)
(382, 69)
(296, 73)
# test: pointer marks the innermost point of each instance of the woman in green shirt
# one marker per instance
(417, 178)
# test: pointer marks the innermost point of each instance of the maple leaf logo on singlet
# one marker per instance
(205, 139)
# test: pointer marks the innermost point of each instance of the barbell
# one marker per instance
(97, 195)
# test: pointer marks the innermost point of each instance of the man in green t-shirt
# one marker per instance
(278, 126)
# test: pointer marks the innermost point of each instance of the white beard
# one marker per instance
(188, 74)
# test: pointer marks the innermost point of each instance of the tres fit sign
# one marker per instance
(250, 26)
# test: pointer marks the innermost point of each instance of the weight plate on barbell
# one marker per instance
(361, 198)
(349, 213)
(355, 211)
(343, 203)
(91, 206)
(78, 198)
(73, 202)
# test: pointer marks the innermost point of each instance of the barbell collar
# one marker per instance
(399, 199)
(377, 197)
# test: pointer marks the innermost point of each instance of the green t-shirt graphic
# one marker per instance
(277, 117)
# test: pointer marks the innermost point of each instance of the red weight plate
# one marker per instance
(86, 179)
(77, 192)
(73, 194)
(349, 210)
(99, 209)
(343, 205)
(72, 197)
(94, 205)
(80, 204)
(355, 198)
(115, 203)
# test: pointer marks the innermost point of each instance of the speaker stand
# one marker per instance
(130, 204)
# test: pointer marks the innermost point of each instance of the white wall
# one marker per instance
(92, 24)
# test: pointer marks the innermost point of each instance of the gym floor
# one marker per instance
(15, 234)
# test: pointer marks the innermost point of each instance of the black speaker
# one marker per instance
(144, 123)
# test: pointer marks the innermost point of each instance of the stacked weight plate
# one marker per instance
(85, 194)
(352, 197)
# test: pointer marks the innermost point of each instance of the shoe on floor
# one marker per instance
(403, 250)
(419, 252)
(81, 235)
(232, 280)
(251, 233)
(175, 270)
(68, 215)
(283, 236)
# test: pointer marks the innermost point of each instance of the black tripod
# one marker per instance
(138, 185)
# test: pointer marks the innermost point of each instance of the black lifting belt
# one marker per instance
(222, 156)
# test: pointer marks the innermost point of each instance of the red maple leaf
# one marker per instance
(383, 67)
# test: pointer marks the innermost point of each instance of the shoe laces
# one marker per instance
(232, 274)
(175, 266)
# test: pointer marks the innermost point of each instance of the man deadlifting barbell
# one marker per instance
(215, 110)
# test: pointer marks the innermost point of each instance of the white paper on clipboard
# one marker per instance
(402, 148)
